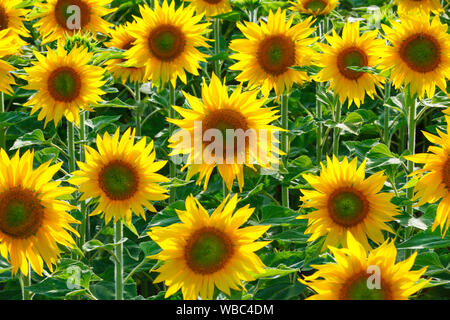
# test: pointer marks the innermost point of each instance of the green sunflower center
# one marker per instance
(351, 57)
(276, 54)
(167, 42)
(347, 207)
(421, 52)
(119, 180)
(67, 19)
(315, 5)
(64, 84)
(21, 213)
(446, 173)
(360, 288)
(208, 250)
(3, 18)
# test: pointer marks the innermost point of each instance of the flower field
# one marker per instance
(224, 150)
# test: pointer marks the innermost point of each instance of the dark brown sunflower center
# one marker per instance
(347, 207)
(3, 18)
(231, 125)
(361, 287)
(351, 57)
(276, 54)
(421, 52)
(167, 42)
(21, 213)
(208, 250)
(315, 5)
(119, 180)
(70, 19)
(64, 84)
(213, 1)
(446, 173)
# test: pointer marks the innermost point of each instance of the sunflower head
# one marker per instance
(406, 7)
(211, 7)
(434, 177)
(418, 56)
(342, 53)
(60, 17)
(270, 49)
(33, 221)
(167, 42)
(227, 131)
(122, 39)
(358, 275)
(11, 19)
(345, 201)
(7, 47)
(65, 82)
(122, 176)
(314, 7)
(206, 251)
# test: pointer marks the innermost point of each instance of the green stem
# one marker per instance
(118, 262)
(285, 145)
(2, 130)
(84, 232)
(138, 110)
(410, 105)
(387, 94)
(336, 131)
(217, 45)
(71, 146)
(172, 166)
(25, 281)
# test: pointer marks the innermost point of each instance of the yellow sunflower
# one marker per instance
(211, 7)
(11, 19)
(435, 183)
(64, 83)
(242, 114)
(406, 7)
(206, 251)
(60, 17)
(419, 55)
(357, 275)
(122, 39)
(7, 48)
(314, 7)
(352, 50)
(270, 49)
(167, 42)
(122, 175)
(345, 201)
(32, 219)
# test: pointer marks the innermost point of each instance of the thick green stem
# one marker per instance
(71, 146)
(138, 110)
(285, 145)
(2, 130)
(336, 131)
(118, 262)
(319, 127)
(172, 166)
(410, 105)
(387, 94)
(217, 45)
(25, 281)
(84, 228)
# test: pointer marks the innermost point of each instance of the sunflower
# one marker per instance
(352, 50)
(64, 83)
(122, 175)
(406, 7)
(33, 221)
(241, 112)
(204, 251)
(419, 56)
(345, 201)
(211, 7)
(314, 7)
(7, 48)
(435, 183)
(167, 42)
(11, 19)
(270, 50)
(58, 18)
(357, 275)
(122, 39)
